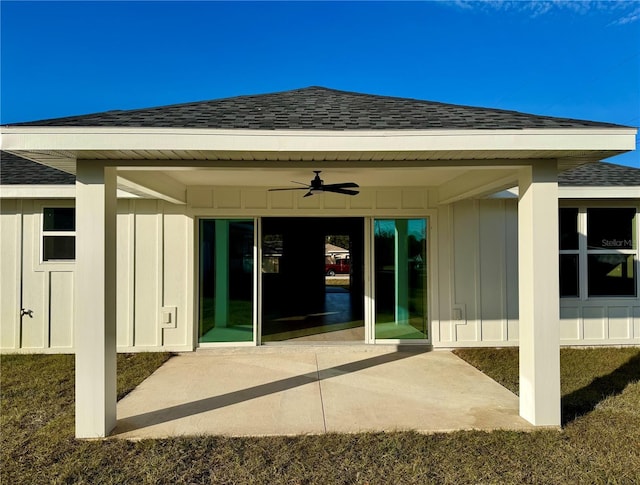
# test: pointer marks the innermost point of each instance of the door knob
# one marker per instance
(24, 312)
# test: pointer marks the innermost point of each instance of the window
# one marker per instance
(598, 251)
(400, 256)
(569, 253)
(226, 280)
(58, 233)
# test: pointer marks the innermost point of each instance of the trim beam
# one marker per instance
(477, 183)
(153, 185)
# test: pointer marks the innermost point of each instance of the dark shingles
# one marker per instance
(319, 108)
(15, 170)
(600, 174)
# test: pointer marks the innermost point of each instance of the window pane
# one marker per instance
(610, 228)
(611, 275)
(569, 275)
(59, 247)
(59, 219)
(226, 280)
(400, 278)
(569, 228)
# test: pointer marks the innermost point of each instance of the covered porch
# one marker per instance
(539, 402)
(226, 167)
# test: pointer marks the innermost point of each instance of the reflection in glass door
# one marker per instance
(400, 254)
(312, 279)
(226, 280)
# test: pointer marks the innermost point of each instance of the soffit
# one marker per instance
(286, 177)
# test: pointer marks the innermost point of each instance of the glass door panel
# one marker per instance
(312, 279)
(226, 280)
(400, 254)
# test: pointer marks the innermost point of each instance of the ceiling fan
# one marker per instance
(317, 186)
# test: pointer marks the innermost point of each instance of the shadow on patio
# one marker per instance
(314, 390)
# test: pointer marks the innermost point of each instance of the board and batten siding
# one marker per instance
(473, 270)
(154, 261)
(10, 273)
(478, 282)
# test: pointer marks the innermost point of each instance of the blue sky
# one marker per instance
(559, 58)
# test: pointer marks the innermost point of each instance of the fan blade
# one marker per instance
(290, 188)
(339, 190)
(344, 185)
(308, 194)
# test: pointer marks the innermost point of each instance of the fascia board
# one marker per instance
(580, 193)
(599, 192)
(106, 138)
(48, 192)
(37, 191)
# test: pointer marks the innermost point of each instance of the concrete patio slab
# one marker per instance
(289, 390)
(428, 392)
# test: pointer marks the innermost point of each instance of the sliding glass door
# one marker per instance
(400, 278)
(312, 280)
(226, 280)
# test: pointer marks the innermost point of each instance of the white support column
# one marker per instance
(539, 294)
(95, 300)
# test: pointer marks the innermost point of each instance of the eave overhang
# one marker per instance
(60, 147)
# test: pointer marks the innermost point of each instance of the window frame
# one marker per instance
(42, 233)
(583, 252)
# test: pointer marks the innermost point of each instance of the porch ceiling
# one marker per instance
(283, 177)
(452, 183)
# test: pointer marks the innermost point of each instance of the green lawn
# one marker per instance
(599, 443)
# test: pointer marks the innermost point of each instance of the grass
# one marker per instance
(587, 376)
(599, 443)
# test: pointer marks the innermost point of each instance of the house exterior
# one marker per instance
(172, 239)
(484, 309)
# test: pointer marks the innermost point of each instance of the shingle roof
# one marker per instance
(318, 108)
(600, 175)
(15, 170)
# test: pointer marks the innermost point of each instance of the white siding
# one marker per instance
(10, 269)
(473, 285)
(148, 268)
(600, 322)
(155, 261)
(480, 306)
(478, 248)
(178, 256)
(61, 309)
(154, 268)
(35, 279)
(125, 273)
